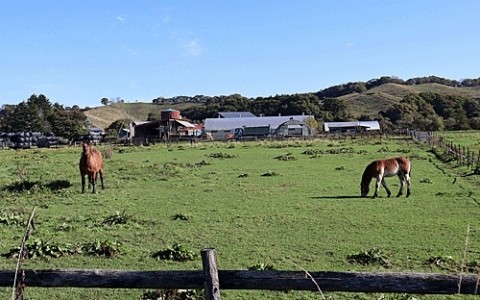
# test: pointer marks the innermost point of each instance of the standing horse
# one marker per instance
(91, 165)
(379, 169)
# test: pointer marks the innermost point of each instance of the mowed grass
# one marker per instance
(307, 215)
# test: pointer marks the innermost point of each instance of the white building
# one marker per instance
(224, 128)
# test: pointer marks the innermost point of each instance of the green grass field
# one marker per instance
(306, 215)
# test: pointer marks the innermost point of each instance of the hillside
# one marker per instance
(369, 103)
(382, 97)
(103, 116)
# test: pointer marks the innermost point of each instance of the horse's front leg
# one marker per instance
(377, 187)
(384, 183)
(93, 178)
(101, 178)
(83, 183)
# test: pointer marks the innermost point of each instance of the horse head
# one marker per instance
(86, 149)
(364, 189)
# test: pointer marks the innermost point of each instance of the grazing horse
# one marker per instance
(379, 169)
(91, 165)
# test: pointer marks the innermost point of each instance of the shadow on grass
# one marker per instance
(58, 185)
(26, 185)
(340, 197)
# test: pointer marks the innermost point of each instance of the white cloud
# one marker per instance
(120, 19)
(191, 48)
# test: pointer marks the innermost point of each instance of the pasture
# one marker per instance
(291, 205)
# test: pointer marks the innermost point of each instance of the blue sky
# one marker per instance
(77, 52)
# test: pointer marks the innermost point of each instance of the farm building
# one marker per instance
(351, 127)
(170, 125)
(293, 128)
(227, 128)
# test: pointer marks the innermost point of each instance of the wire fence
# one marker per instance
(448, 150)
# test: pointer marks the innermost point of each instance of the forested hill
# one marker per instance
(427, 103)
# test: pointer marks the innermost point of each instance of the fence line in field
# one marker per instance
(461, 154)
(212, 280)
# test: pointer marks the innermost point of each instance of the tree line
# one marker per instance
(423, 111)
(38, 114)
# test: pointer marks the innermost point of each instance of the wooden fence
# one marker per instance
(464, 156)
(212, 280)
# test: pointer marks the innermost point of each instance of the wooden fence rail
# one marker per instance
(412, 283)
(211, 279)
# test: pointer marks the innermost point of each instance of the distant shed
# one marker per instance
(355, 126)
(293, 128)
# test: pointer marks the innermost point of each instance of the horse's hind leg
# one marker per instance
(384, 183)
(93, 180)
(402, 183)
(409, 184)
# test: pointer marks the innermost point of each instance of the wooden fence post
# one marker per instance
(210, 270)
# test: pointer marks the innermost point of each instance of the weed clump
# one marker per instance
(173, 294)
(221, 155)
(117, 218)
(369, 257)
(41, 248)
(269, 173)
(104, 248)
(181, 217)
(288, 156)
(11, 219)
(177, 253)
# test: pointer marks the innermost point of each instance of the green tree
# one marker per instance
(69, 124)
(104, 101)
(335, 110)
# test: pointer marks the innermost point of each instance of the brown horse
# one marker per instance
(91, 165)
(379, 169)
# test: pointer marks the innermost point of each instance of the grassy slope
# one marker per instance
(103, 116)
